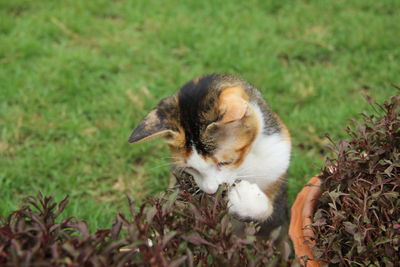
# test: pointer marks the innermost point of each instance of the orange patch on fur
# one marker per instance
(176, 144)
(180, 155)
(245, 135)
(242, 154)
(214, 159)
(177, 139)
(272, 190)
(233, 103)
(226, 158)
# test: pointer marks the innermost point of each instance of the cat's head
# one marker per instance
(209, 125)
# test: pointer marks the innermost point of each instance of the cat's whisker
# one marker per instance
(250, 176)
(179, 171)
(160, 166)
(244, 169)
(171, 158)
(282, 179)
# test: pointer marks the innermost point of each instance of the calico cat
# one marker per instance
(220, 130)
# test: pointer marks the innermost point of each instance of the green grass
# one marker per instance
(77, 76)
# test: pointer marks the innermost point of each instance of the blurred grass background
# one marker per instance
(77, 76)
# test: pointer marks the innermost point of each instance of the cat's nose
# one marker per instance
(207, 185)
(210, 188)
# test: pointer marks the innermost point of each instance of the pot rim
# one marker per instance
(301, 218)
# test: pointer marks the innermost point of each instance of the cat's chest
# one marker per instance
(267, 160)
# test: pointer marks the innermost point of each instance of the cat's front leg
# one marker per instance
(247, 201)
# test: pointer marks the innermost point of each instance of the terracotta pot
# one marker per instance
(302, 211)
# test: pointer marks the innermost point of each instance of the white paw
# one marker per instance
(246, 200)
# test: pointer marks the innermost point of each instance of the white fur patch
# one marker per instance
(208, 177)
(247, 201)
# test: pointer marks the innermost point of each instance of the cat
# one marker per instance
(221, 131)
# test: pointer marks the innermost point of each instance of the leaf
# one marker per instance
(391, 194)
(332, 205)
(70, 249)
(116, 229)
(82, 228)
(150, 213)
(166, 208)
(361, 249)
(189, 257)
(357, 237)
(62, 205)
(224, 224)
(335, 260)
(196, 239)
(178, 262)
(197, 215)
(389, 170)
(131, 204)
(350, 227)
(167, 238)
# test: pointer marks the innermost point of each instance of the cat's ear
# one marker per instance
(155, 124)
(233, 104)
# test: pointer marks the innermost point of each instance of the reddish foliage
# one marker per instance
(358, 218)
(175, 229)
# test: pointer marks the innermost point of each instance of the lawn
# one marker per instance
(77, 76)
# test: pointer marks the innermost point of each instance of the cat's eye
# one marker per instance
(223, 163)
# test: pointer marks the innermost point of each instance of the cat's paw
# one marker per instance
(247, 201)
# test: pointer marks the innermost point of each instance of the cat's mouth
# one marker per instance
(186, 182)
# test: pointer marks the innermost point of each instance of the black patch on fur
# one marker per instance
(192, 105)
(144, 130)
(167, 112)
(280, 215)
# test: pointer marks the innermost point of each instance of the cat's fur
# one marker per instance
(220, 130)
